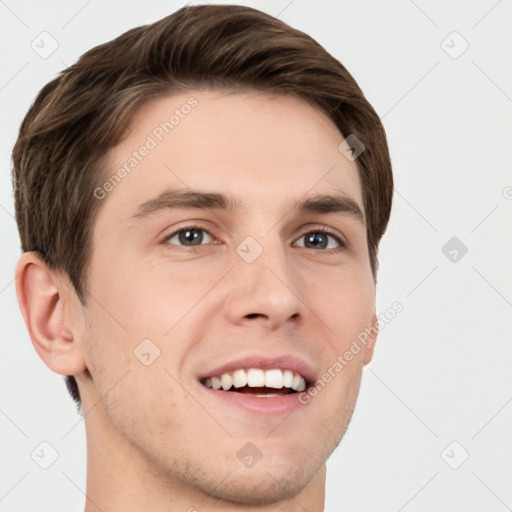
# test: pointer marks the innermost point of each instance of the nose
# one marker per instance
(265, 292)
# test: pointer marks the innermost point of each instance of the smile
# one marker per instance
(258, 382)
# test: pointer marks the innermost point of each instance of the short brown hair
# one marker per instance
(61, 152)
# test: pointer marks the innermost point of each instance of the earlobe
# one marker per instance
(42, 299)
(373, 332)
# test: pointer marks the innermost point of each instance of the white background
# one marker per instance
(441, 371)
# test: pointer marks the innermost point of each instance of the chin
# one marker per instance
(263, 486)
(277, 476)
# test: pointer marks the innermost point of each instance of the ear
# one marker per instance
(373, 332)
(45, 302)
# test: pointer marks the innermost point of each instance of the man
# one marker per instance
(200, 203)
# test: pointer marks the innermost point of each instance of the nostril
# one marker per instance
(254, 315)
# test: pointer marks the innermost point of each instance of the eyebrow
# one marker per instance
(172, 199)
(185, 199)
(331, 204)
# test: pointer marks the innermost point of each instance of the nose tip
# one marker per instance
(265, 297)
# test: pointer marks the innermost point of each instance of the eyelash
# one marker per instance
(198, 227)
(324, 231)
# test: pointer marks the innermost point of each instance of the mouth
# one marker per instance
(260, 382)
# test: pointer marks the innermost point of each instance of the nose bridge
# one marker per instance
(265, 285)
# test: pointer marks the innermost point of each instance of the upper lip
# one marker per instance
(284, 362)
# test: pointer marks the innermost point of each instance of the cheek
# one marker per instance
(148, 299)
(345, 301)
(107, 347)
(130, 374)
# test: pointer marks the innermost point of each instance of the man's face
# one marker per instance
(267, 274)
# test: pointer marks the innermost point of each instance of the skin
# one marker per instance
(154, 439)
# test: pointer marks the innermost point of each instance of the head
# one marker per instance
(244, 228)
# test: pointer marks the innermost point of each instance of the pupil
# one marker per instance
(191, 237)
(316, 241)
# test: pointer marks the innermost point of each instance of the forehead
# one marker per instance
(251, 146)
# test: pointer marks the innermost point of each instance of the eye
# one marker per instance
(189, 237)
(319, 240)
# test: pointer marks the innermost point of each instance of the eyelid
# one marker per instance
(196, 224)
(323, 229)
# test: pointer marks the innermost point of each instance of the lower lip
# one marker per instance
(273, 406)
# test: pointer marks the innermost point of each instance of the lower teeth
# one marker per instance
(260, 391)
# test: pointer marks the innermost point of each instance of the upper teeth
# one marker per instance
(256, 378)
